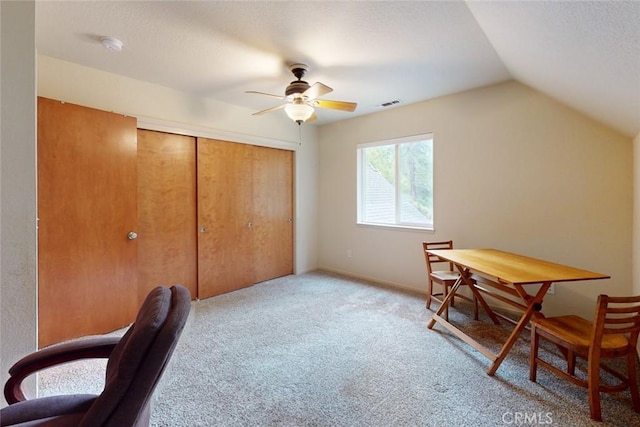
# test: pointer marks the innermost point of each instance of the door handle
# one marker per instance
(132, 235)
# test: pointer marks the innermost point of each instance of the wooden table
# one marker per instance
(503, 276)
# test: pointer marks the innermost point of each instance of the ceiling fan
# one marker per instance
(301, 98)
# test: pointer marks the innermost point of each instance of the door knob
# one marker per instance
(132, 235)
(249, 224)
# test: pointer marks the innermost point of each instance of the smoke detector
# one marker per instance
(111, 43)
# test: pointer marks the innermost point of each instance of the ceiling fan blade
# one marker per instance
(264, 93)
(335, 105)
(317, 90)
(268, 110)
(312, 118)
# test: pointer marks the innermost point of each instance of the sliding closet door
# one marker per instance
(225, 199)
(86, 208)
(167, 240)
(273, 212)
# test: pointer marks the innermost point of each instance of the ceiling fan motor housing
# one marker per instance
(297, 86)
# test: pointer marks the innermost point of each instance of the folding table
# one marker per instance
(505, 277)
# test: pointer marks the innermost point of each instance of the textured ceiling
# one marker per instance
(584, 54)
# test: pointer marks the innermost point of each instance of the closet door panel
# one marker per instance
(225, 221)
(273, 212)
(87, 267)
(167, 236)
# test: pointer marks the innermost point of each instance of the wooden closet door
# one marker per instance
(87, 276)
(225, 200)
(167, 237)
(273, 212)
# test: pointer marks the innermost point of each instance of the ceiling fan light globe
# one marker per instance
(298, 112)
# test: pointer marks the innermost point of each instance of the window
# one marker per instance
(395, 182)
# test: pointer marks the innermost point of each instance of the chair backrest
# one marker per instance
(432, 259)
(138, 361)
(617, 315)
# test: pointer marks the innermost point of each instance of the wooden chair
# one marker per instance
(443, 277)
(612, 334)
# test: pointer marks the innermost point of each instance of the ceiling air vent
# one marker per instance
(390, 103)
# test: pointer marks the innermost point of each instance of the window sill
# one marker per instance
(430, 230)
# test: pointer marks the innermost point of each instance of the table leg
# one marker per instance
(445, 302)
(465, 275)
(533, 308)
(443, 322)
(486, 307)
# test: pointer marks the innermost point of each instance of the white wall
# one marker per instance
(514, 170)
(165, 109)
(17, 184)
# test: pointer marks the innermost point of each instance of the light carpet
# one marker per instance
(321, 349)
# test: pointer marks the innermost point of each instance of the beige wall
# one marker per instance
(165, 109)
(17, 184)
(636, 218)
(514, 170)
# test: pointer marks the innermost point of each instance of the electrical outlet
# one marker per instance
(552, 289)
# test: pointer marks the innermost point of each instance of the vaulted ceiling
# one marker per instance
(584, 54)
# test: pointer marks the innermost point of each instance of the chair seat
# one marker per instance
(613, 334)
(445, 276)
(64, 410)
(577, 330)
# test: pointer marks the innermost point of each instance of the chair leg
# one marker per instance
(453, 298)
(533, 354)
(475, 308)
(593, 376)
(445, 292)
(632, 374)
(571, 363)
(429, 293)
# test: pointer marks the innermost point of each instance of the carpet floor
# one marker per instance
(321, 349)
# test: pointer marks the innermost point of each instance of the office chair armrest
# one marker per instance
(57, 354)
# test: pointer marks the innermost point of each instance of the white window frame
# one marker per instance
(361, 170)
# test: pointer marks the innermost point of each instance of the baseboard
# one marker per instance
(397, 285)
(504, 308)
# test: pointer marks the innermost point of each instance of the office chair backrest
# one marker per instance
(139, 359)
